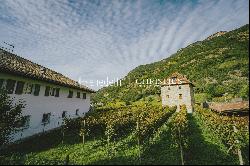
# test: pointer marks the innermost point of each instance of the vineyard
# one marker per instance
(142, 133)
(233, 131)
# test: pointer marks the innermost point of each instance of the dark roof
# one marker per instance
(179, 80)
(234, 107)
(13, 64)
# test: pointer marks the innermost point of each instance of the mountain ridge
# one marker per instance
(224, 56)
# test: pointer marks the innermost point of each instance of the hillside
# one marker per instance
(217, 66)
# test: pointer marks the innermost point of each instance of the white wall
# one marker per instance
(173, 100)
(36, 106)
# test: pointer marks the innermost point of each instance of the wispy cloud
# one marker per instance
(94, 39)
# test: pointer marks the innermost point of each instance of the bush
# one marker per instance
(10, 115)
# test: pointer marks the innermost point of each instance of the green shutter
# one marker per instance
(10, 86)
(19, 87)
(57, 92)
(78, 95)
(84, 95)
(37, 90)
(70, 94)
(1, 83)
(47, 91)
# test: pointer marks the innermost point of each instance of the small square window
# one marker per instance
(78, 95)
(84, 96)
(167, 96)
(174, 79)
(77, 112)
(46, 118)
(64, 114)
(179, 87)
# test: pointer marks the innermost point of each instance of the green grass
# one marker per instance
(204, 148)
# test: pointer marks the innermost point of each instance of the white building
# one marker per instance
(177, 90)
(49, 96)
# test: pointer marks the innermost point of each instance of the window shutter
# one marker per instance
(37, 90)
(19, 87)
(10, 86)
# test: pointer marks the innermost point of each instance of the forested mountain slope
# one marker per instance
(218, 66)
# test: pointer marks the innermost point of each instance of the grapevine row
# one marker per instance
(179, 128)
(232, 130)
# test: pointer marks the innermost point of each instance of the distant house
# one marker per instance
(49, 96)
(177, 90)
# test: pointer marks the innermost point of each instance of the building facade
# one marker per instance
(177, 90)
(49, 97)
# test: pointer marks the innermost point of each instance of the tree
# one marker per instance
(10, 115)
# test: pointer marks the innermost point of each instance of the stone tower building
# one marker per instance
(177, 90)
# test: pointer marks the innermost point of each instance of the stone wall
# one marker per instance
(171, 96)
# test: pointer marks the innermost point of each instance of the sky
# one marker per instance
(89, 40)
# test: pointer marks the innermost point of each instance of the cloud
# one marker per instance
(95, 39)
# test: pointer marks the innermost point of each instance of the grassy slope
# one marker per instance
(204, 149)
(216, 66)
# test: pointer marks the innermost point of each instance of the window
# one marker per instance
(180, 96)
(174, 79)
(179, 87)
(52, 92)
(29, 88)
(57, 92)
(70, 94)
(1, 83)
(78, 95)
(167, 96)
(168, 88)
(46, 118)
(64, 114)
(84, 95)
(10, 86)
(23, 122)
(37, 90)
(47, 89)
(19, 87)
(77, 112)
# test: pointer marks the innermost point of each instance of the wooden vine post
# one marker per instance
(180, 145)
(63, 132)
(238, 149)
(83, 134)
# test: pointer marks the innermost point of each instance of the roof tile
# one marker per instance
(14, 64)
